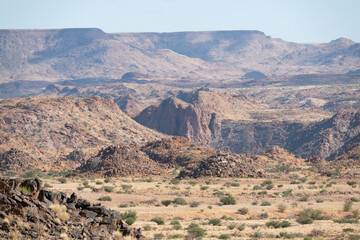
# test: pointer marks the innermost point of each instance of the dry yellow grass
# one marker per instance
(145, 198)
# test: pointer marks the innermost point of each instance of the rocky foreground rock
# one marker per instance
(27, 211)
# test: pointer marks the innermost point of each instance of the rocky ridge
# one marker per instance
(91, 53)
(30, 212)
(47, 129)
(155, 157)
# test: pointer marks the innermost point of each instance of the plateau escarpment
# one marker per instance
(65, 54)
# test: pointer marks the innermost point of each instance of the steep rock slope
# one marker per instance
(48, 128)
(233, 122)
(196, 115)
(329, 137)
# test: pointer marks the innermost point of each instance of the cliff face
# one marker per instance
(238, 124)
(176, 117)
(327, 138)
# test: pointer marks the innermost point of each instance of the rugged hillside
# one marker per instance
(328, 138)
(196, 115)
(154, 158)
(50, 128)
(120, 161)
(91, 53)
(233, 122)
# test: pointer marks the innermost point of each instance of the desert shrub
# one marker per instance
(98, 182)
(175, 236)
(158, 236)
(194, 204)
(355, 213)
(243, 211)
(269, 187)
(195, 231)
(193, 183)
(319, 200)
(344, 220)
(130, 221)
(215, 222)
(287, 193)
(278, 224)
(26, 189)
(147, 227)
(166, 202)
(179, 201)
(128, 214)
(266, 182)
(264, 215)
(231, 226)
(177, 227)
(354, 199)
(348, 230)
(158, 220)
(62, 180)
(126, 187)
(257, 187)
(204, 188)
(308, 215)
(174, 181)
(241, 227)
(234, 184)
(316, 233)
(281, 207)
(304, 220)
(31, 173)
(105, 198)
(108, 189)
(107, 180)
(304, 198)
(224, 236)
(303, 179)
(266, 203)
(289, 235)
(9, 174)
(351, 183)
(228, 200)
(348, 206)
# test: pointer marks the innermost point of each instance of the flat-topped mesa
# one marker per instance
(26, 201)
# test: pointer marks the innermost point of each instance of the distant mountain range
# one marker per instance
(65, 54)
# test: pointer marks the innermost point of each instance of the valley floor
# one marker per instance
(263, 208)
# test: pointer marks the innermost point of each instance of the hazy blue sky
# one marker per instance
(292, 20)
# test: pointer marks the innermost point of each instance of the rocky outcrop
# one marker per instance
(196, 115)
(17, 160)
(120, 161)
(224, 164)
(176, 151)
(176, 117)
(51, 215)
(326, 138)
